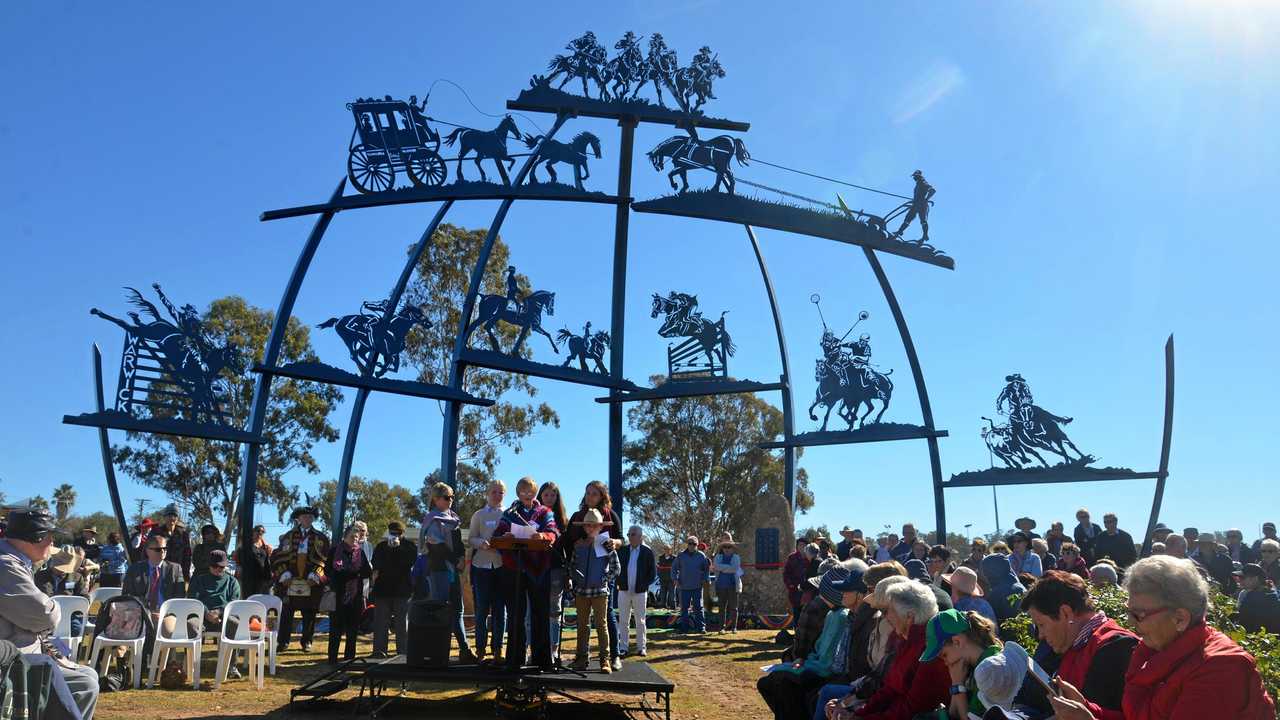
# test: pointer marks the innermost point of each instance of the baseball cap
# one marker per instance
(1250, 569)
(29, 525)
(941, 628)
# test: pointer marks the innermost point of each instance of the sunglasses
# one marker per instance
(1138, 616)
(158, 549)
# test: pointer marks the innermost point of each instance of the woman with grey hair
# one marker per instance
(910, 686)
(1182, 668)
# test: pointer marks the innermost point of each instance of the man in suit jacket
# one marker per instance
(154, 579)
(639, 569)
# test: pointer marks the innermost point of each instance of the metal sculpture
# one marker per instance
(845, 376)
(705, 338)
(921, 199)
(1029, 427)
(170, 367)
(394, 135)
(573, 152)
(374, 340)
(587, 346)
(525, 313)
(487, 145)
(689, 153)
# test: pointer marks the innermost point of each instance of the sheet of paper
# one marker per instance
(601, 539)
(523, 532)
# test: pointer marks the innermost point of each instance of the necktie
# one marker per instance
(153, 593)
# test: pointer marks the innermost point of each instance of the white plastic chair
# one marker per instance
(69, 605)
(271, 602)
(253, 643)
(181, 609)
(96, 598)
(136, 646)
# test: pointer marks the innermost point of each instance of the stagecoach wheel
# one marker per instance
(370, 170)
(426, 168)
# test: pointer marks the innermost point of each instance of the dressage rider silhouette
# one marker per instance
(919, 207)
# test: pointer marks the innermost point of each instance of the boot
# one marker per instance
(579, 663)
(605, 666)
(465, 656)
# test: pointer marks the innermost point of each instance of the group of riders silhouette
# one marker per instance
(1029, 427)
(189, 360)
(624, 75)
(847, 379)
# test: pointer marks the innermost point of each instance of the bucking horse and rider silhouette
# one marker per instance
(1030, 427)
(684, 320)
(375, 339)
(847, 379)
(186, 354)
(522, 312)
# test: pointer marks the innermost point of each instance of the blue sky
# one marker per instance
(1105, 174)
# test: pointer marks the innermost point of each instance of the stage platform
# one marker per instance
(637, 680)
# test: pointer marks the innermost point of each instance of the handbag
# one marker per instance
(328, 601)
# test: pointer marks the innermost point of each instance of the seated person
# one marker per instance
(1259, 604)
(215, 587)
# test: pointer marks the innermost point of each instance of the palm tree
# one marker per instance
(64, 497)
(38, 503)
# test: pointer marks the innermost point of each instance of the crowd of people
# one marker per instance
(896, 629)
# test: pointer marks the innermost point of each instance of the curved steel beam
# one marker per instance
(109, 467)
(926, 410)
(788, 418)
(262, 390)
(1164, 446)
(457, 370)
(362, 394)
(618, 306)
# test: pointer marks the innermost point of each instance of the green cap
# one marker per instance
(941, 628)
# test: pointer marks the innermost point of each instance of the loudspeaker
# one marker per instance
(429, 634)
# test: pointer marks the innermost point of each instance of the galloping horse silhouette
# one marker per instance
(383, 355)
(853, 395)
(688, 153)
(487, 144)
(574, 152)
(493, 308)
(682, 321)
(585, 348)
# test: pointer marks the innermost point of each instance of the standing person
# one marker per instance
(595, 565)
(114, 561)
(728, 567)
(1269, 552)
(1216, 564)
(884, 548)
(902, 551)
(558, 573)
(442, 533)
(1084, 533)
(259, 559)
(666, 591)
(348, 568)
(1236, 549)
(298, 570)
(843, 547)
(210, 540)
(1028, 526)
(533, 592)
(1055, 538)
(179, 546)
(88, 542)
(638, 571)
(596, 497)
(921, 198)
(28, 617)
(1268, 533)
(794, 573)
(1114, 543)
(491, 611)
(689, 572)
(392, 565)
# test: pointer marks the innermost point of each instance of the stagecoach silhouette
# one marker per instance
(392, 136)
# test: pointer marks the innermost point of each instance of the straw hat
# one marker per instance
(593, 517)
(67, 560)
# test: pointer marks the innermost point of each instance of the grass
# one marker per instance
(714, 675)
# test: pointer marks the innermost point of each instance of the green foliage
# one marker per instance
(696, 467)
(64, 498)
(206, 474)
(440, 286)
(373, 501)
(37, 502)
(103, 522)
(815, 531)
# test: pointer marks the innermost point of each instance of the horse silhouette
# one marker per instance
(388, 335)
(853, 394)
(688, 153)
(682, 321)
(1035, 427)
(574, 152)
(487, 144)
(493, 308)
(585, 348)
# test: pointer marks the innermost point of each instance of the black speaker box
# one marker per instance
(429, 634)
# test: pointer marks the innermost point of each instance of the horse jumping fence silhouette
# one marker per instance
(689, 359)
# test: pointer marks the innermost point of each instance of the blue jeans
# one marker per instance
(692, 600)
(556, 582)
(826, 694)
(491, 609)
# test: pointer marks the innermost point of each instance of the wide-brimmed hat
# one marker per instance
(1207, 537)
(964, 580)
(67, 560)
(90, 528)
(726, 543)
(999, 677)
(170, 509)
(1014, 377)
(846, 530)
(1025, 519)
(304, 510)
(592, 517)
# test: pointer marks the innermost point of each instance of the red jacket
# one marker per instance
(793, 576)
(1079, 568)
(910, 686)
(1202, 674)
(1117, 644)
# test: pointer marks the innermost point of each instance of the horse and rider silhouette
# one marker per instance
(492, 309)
(573, 152)
(683, 320)
(862, 387)
(689, 153)
(185, 354)
(376, 340)
(587, 346)
(488, 145)
(1030, 427)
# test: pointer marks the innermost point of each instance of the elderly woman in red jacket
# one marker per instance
(1182, 669)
